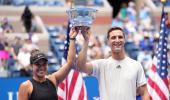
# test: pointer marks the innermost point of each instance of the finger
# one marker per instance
(87, 28)
(78, 28)
(74, 28)
(73, 33)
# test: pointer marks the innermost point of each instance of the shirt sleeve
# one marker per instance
(96, 68)
(141, 78)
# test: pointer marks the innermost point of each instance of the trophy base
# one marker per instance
(85, 23)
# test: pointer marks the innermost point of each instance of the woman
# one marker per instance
(42, 86)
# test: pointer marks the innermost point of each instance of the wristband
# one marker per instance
(72, 38)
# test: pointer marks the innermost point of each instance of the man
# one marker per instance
(120, 77)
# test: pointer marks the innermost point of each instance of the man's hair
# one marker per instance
(114, 28)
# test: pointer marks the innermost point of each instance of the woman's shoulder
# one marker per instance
(27, 84)
(26, 87)
(25, 90)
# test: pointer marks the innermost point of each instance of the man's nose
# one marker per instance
(117, 39)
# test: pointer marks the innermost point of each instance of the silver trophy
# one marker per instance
(81, 17)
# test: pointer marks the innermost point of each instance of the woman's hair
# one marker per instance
(36, 55)
(35, 52)
(114, 28)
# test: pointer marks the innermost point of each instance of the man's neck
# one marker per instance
(118, 55)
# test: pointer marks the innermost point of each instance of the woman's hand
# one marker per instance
(73, 33)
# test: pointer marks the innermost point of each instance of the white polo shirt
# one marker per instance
(118, 80)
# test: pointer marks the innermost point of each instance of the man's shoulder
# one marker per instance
(103, 59)
(128, 58)
(132, 60)
(100, 61)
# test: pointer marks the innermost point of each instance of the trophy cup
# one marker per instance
(81, 17)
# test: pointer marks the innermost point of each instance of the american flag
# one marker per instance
(158, 74)
(73, 87)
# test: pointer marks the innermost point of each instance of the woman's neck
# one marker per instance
(39, 79)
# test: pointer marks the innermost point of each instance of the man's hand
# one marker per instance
(86, 33)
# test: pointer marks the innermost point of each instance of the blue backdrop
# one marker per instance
(9, 88)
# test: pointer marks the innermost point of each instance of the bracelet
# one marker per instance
(72, 38)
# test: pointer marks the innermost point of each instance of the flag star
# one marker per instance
(163, 61)
(162, 74)
(160, 43)
(161, 37)
(157, 52)
(158, 61)
(165, 50)
(163, 19)
(165, 44)
(163, 67)
(159, 49)
(162, 25)
(159, 55)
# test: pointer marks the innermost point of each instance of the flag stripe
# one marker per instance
(166, 83)
(72, 86)
(60, 98)
(71, 77)
(61, 91)
(155, 77)
(76, 91)
(161, 88)
(153, 68)
(156, 88)
(62, 85)
(82, 93)
(153, 94)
